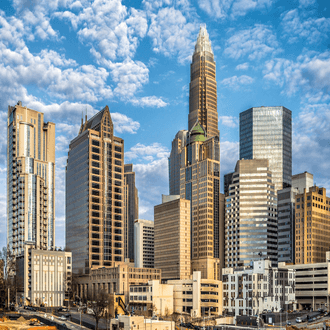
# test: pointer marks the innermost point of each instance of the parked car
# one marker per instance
(288, 322)
(63, 318)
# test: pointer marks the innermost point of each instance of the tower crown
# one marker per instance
(203, 42)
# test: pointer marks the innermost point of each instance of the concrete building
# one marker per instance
(30, 179)
(251, 214)
(131, 210)
(252, 289)
(196, 296)
(312, 232)
(312, 288)
(266, 133)
(127, 322)
(95, 195)
(286, 199)
(115, 280)
(172, 238)
(152, 299)
(144, 247)
(46, 276)
(174, 161)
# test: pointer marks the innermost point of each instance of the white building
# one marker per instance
(144, 250)
(127, 322)
(153, 299)
(45, 275)
(250, 290)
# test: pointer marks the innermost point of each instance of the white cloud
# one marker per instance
(149, 101)
(172, 34)
(309, 72)
(313, 30)
(229, 121)
(237, 82)
(122, 123)
(306, 3)
(243, 66)
(255, 43)
(140, 151)
(228, 156)
(233, 8)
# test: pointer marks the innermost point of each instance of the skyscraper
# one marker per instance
(251, 214)
(266, 133)
(144, 247)
(131, 209)
(95, 195)
(30, 180)
(200, 165)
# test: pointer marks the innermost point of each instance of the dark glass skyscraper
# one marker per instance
(266, 133)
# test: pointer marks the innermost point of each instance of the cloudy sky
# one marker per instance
(67, 57)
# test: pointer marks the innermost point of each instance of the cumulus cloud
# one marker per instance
(312, 30)
(141, 151)
(228, 121)
(232, 8)
(255, 43)
(149, 101)
(243, 66)
(124, 124)
(309, 72)
(228, 157)
(306, 3)
(237, 82)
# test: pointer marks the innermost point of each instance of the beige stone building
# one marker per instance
(144, 248)
(115, 280)
(312, 226)
(30, 179)
(46, 276)
(172, 237)
(95, 195)
(127, 322)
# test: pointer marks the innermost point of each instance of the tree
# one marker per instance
(99, 307)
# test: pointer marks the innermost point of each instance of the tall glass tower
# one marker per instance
(266, 133)
(30, 180)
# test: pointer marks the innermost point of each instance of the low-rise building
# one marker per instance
(252, 289)
(197, 296)
(126, 322)
(46, 276)
(115, 279)
(312, 284)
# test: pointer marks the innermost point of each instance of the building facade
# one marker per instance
(131, 209)
(115, 280)
(312, 211)
(172, 238)
(144, 243)
(95, 195)
(46, 276)
(251, 290)
(266, 133)
(250, 214)
(30, 179)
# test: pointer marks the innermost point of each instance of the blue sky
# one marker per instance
(66, 57)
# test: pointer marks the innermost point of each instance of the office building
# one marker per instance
(114, 280)
(200, 165)
(129, 322)
(144, 248)
(30, 179)
(131, 209)
(174, 161)
(95, 195)
(312, 232)
(172, 237)
(250, 214)
(286, 199)
(266, 133)
(45, 275)
(252, 289)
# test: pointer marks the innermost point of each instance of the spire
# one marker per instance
(203, 42)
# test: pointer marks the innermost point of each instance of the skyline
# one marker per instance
(138, 63)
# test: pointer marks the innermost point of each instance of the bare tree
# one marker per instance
(99, 307)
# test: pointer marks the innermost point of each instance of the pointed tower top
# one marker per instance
(203, 42)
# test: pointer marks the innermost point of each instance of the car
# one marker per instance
(298, 320)
(326, 314)
(288, 322)
(64, 326)
(63, 318)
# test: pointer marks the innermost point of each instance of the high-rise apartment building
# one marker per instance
(144, 243)
(174, 161)
(95, 195)
(251, 214)
(286, 199)
(312, 230)
(131, 209)
(266, 133)
(172, 237)
(30, 179)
